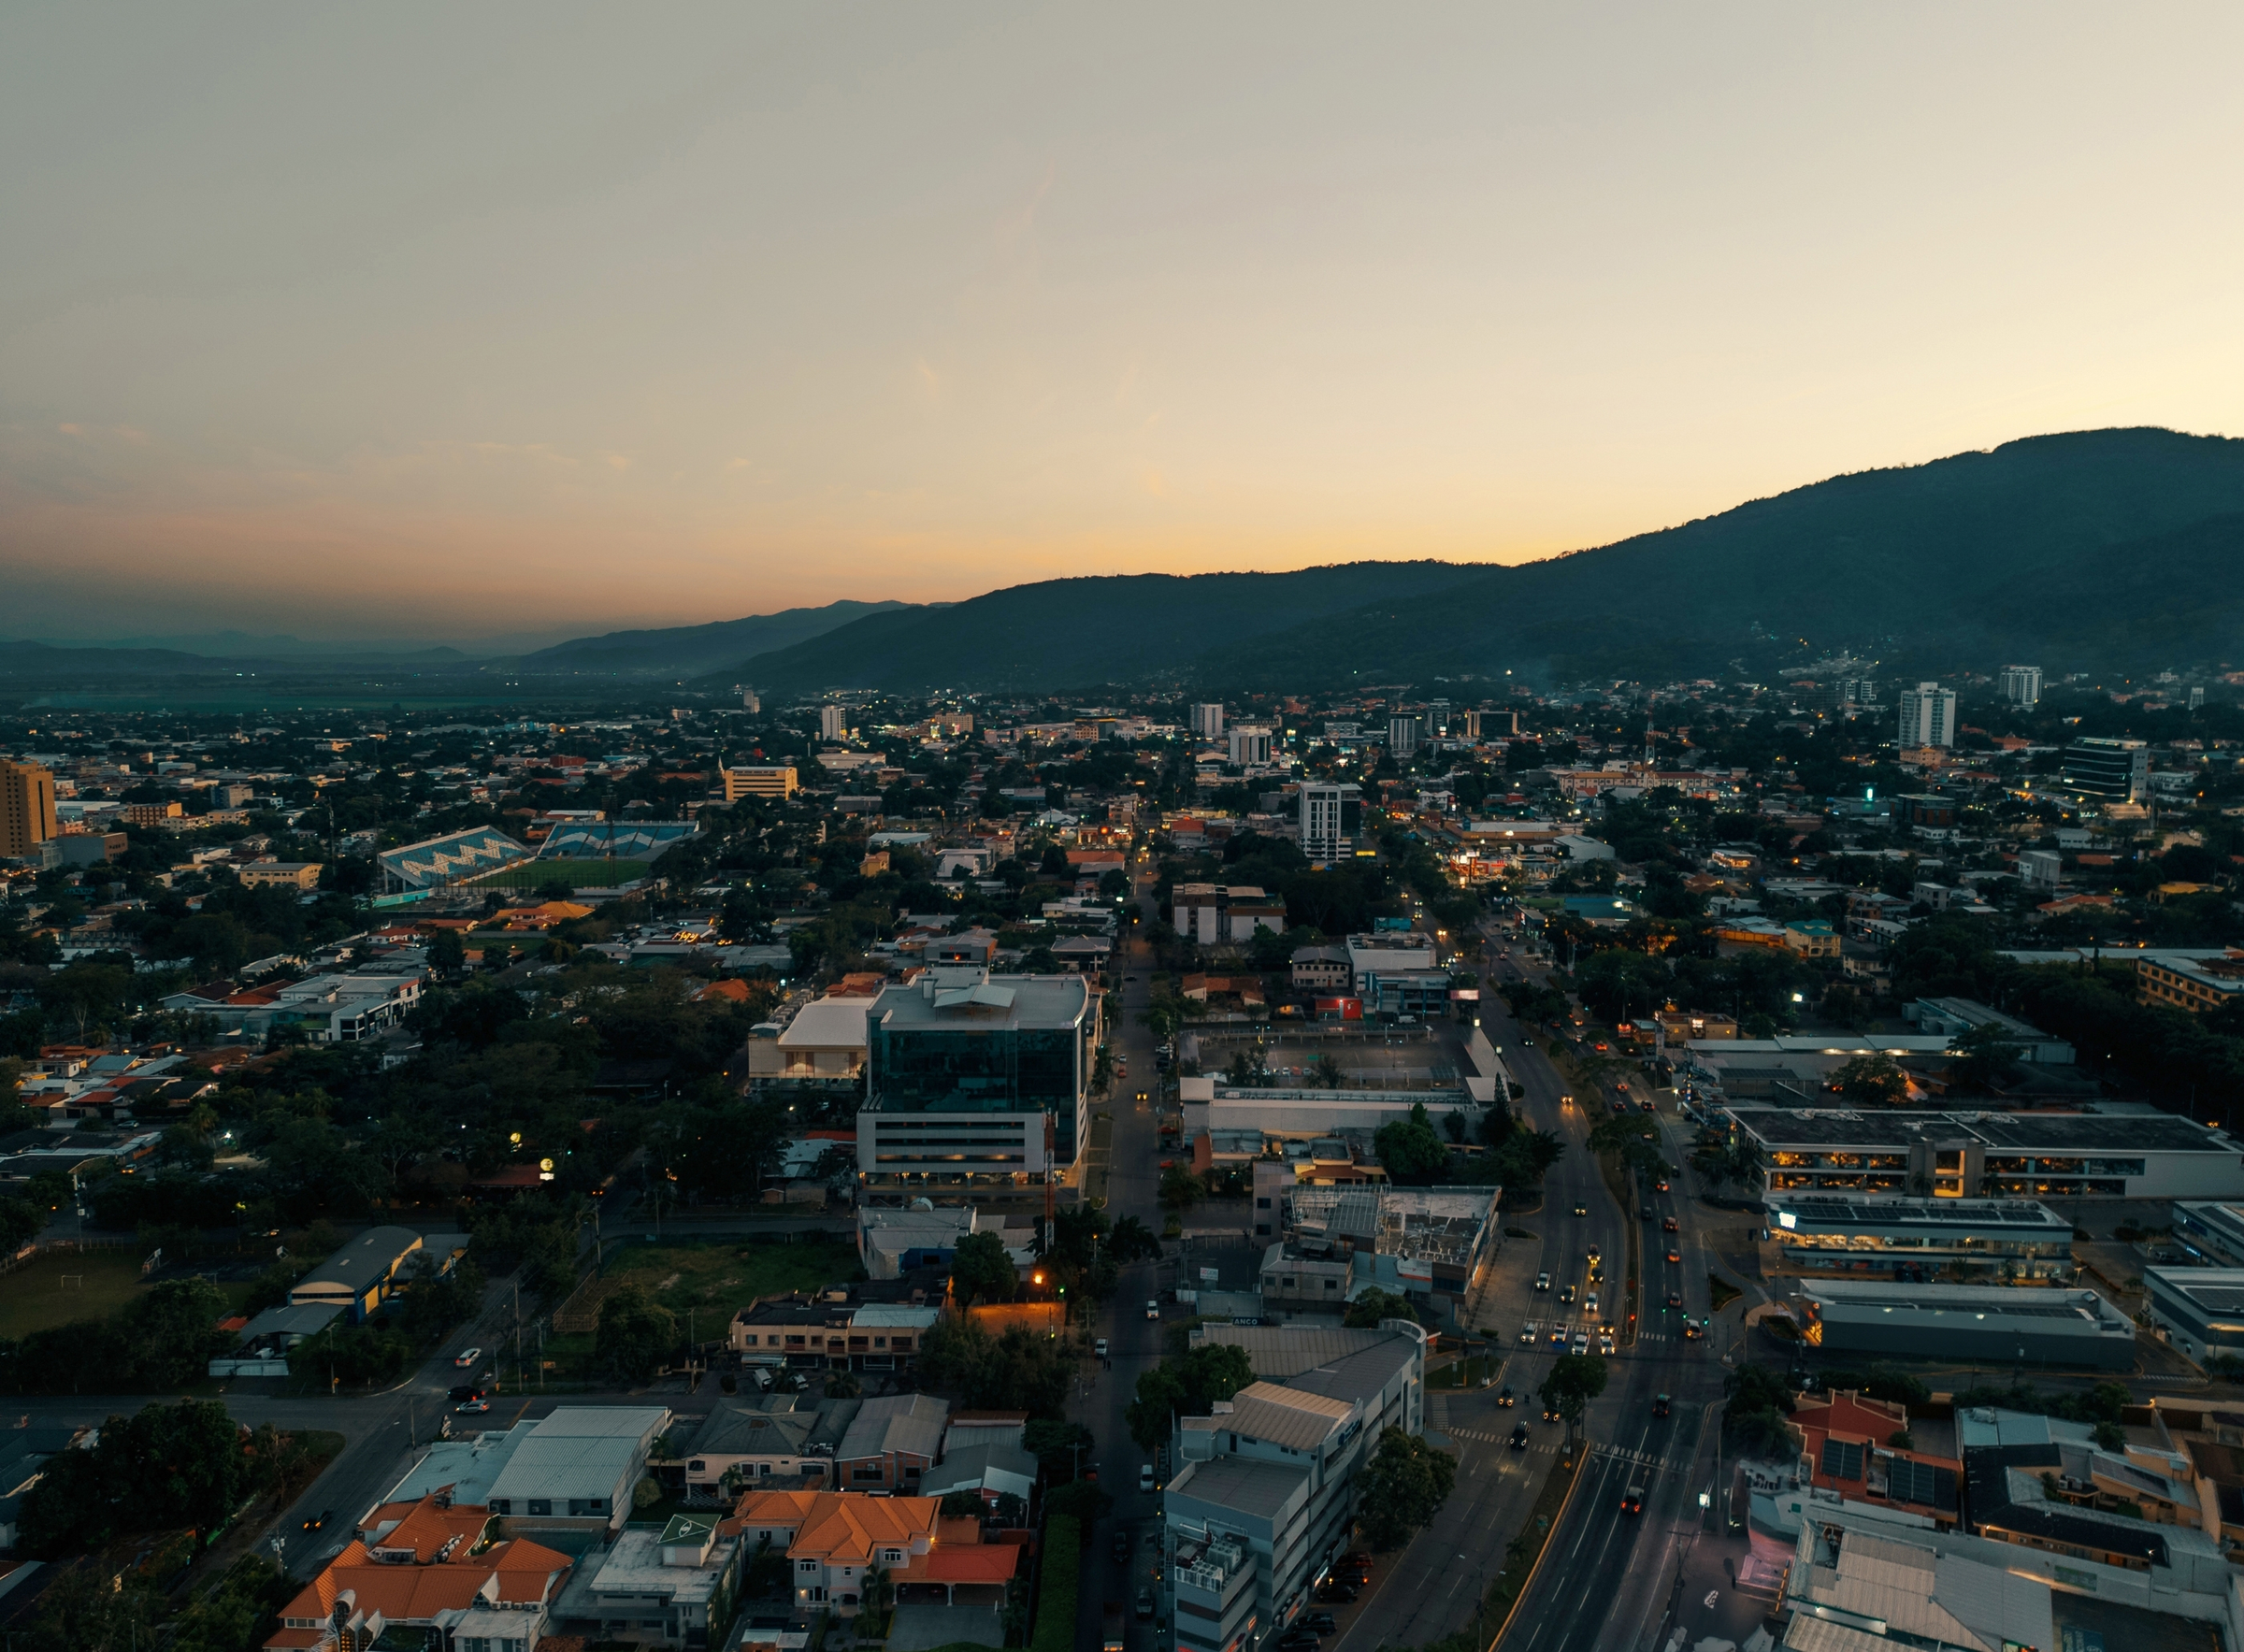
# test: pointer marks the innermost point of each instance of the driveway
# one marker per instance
(917, 1629)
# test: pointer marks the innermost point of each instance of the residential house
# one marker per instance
(836, 1542)
(673, 1588)
(431, 1565)
(891, 1443)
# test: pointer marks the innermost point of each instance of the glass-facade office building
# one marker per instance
(965, 1070)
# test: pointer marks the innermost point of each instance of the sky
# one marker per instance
(447, 322)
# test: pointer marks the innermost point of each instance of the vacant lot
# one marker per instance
(715, 1278)
(60, 1286)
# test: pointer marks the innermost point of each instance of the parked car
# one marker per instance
(1146, 1605)
(1324, 1623)
(1631, 1500)
(1121, 1548)
(1518, 1436)
(470, 1357)
(1338, 1594)
(1098, 1348)
(1145, 1476)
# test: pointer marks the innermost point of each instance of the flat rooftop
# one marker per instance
(1830, 1211)
(2002, 1132)
(962, 998)
(1259, 1489)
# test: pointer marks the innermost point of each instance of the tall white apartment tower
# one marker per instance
(1928, 715)
(2022, 685)
(1207, 722)
(833, 723)
(1404, 734)
(1322, 839)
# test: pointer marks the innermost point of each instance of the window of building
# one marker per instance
(806, 1565)
(540, 1505)
(880, 1341)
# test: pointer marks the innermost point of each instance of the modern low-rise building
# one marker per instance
(1868, 1234)
(1951, 1017)
(770, 780)
(575, 1470)
(2115, 1152)
(367, 1271)
(1262, 1503)
(2200, 1309)
(1996, 1324)
(676, 1587)
(2197, 983)
(891, 1443)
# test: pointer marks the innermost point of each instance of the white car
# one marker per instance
(1145, 1476)
(1590, 1304)
(1581, 1341)
(1604, 1341)
(1098, 1348)
(1153, 1308)
(470, 1357)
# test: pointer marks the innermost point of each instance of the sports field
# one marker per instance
(60, 1286)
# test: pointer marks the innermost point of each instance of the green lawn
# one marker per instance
(577, 874)
(713, 1278)
(35, 1296)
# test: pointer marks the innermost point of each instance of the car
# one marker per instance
(1646, 1104)
(1121, 1548)
(1661, 1183)
(1518, 1436)
(1145, 1476)
(465, 1391)
(1675, 1299)
(1528, 1332)
(1590, 1304)
(1648, 1212)
(1669, 1224)
(1692, 1331)
(1153, 1309)
(1146, 1605)
(472, 1407)
(1542, 1282)
(1565, 1100)
(313, 1522)
(1324, 1623)
(1581, 1341)
(1581, 1210)
(1674, 1255)
(1661, 1406)
(1566, 1293)
(1595, 1254)
(1550, 1413)
(1604, 1343)
(1296, 1640)
(1144, 1097)
(1558, 1336)
(1338, 1594)
(470, 1357)
(1098, 1348)
(1631, 1500)
(1507, 1399)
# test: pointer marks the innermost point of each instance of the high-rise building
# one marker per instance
(2022, 685)
(1324, 829)
(1207, 722)
(750, 700)
(1465, 724)
(2197, 697)
(26, 809)
(2115, 770)
(1403, 733)
(833, 723)
(1928, 715)
(1858, 691)
(1250, 742)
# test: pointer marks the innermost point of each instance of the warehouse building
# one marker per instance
(2200, 1309)
(2116, 1152)
(1868, 1233)
(1997, 1324)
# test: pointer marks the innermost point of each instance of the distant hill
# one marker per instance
(2095, 549)
(688, 650)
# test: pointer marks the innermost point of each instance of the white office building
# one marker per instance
(833, 723)
(1404, 734)
(1928, 715)
(1323, 805)
(1250, 743)
(2022, 685)
(1207, 722)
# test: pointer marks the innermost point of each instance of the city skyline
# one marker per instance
(415, 325)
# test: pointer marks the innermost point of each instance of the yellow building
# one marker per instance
(27, 808)
(758, 782)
